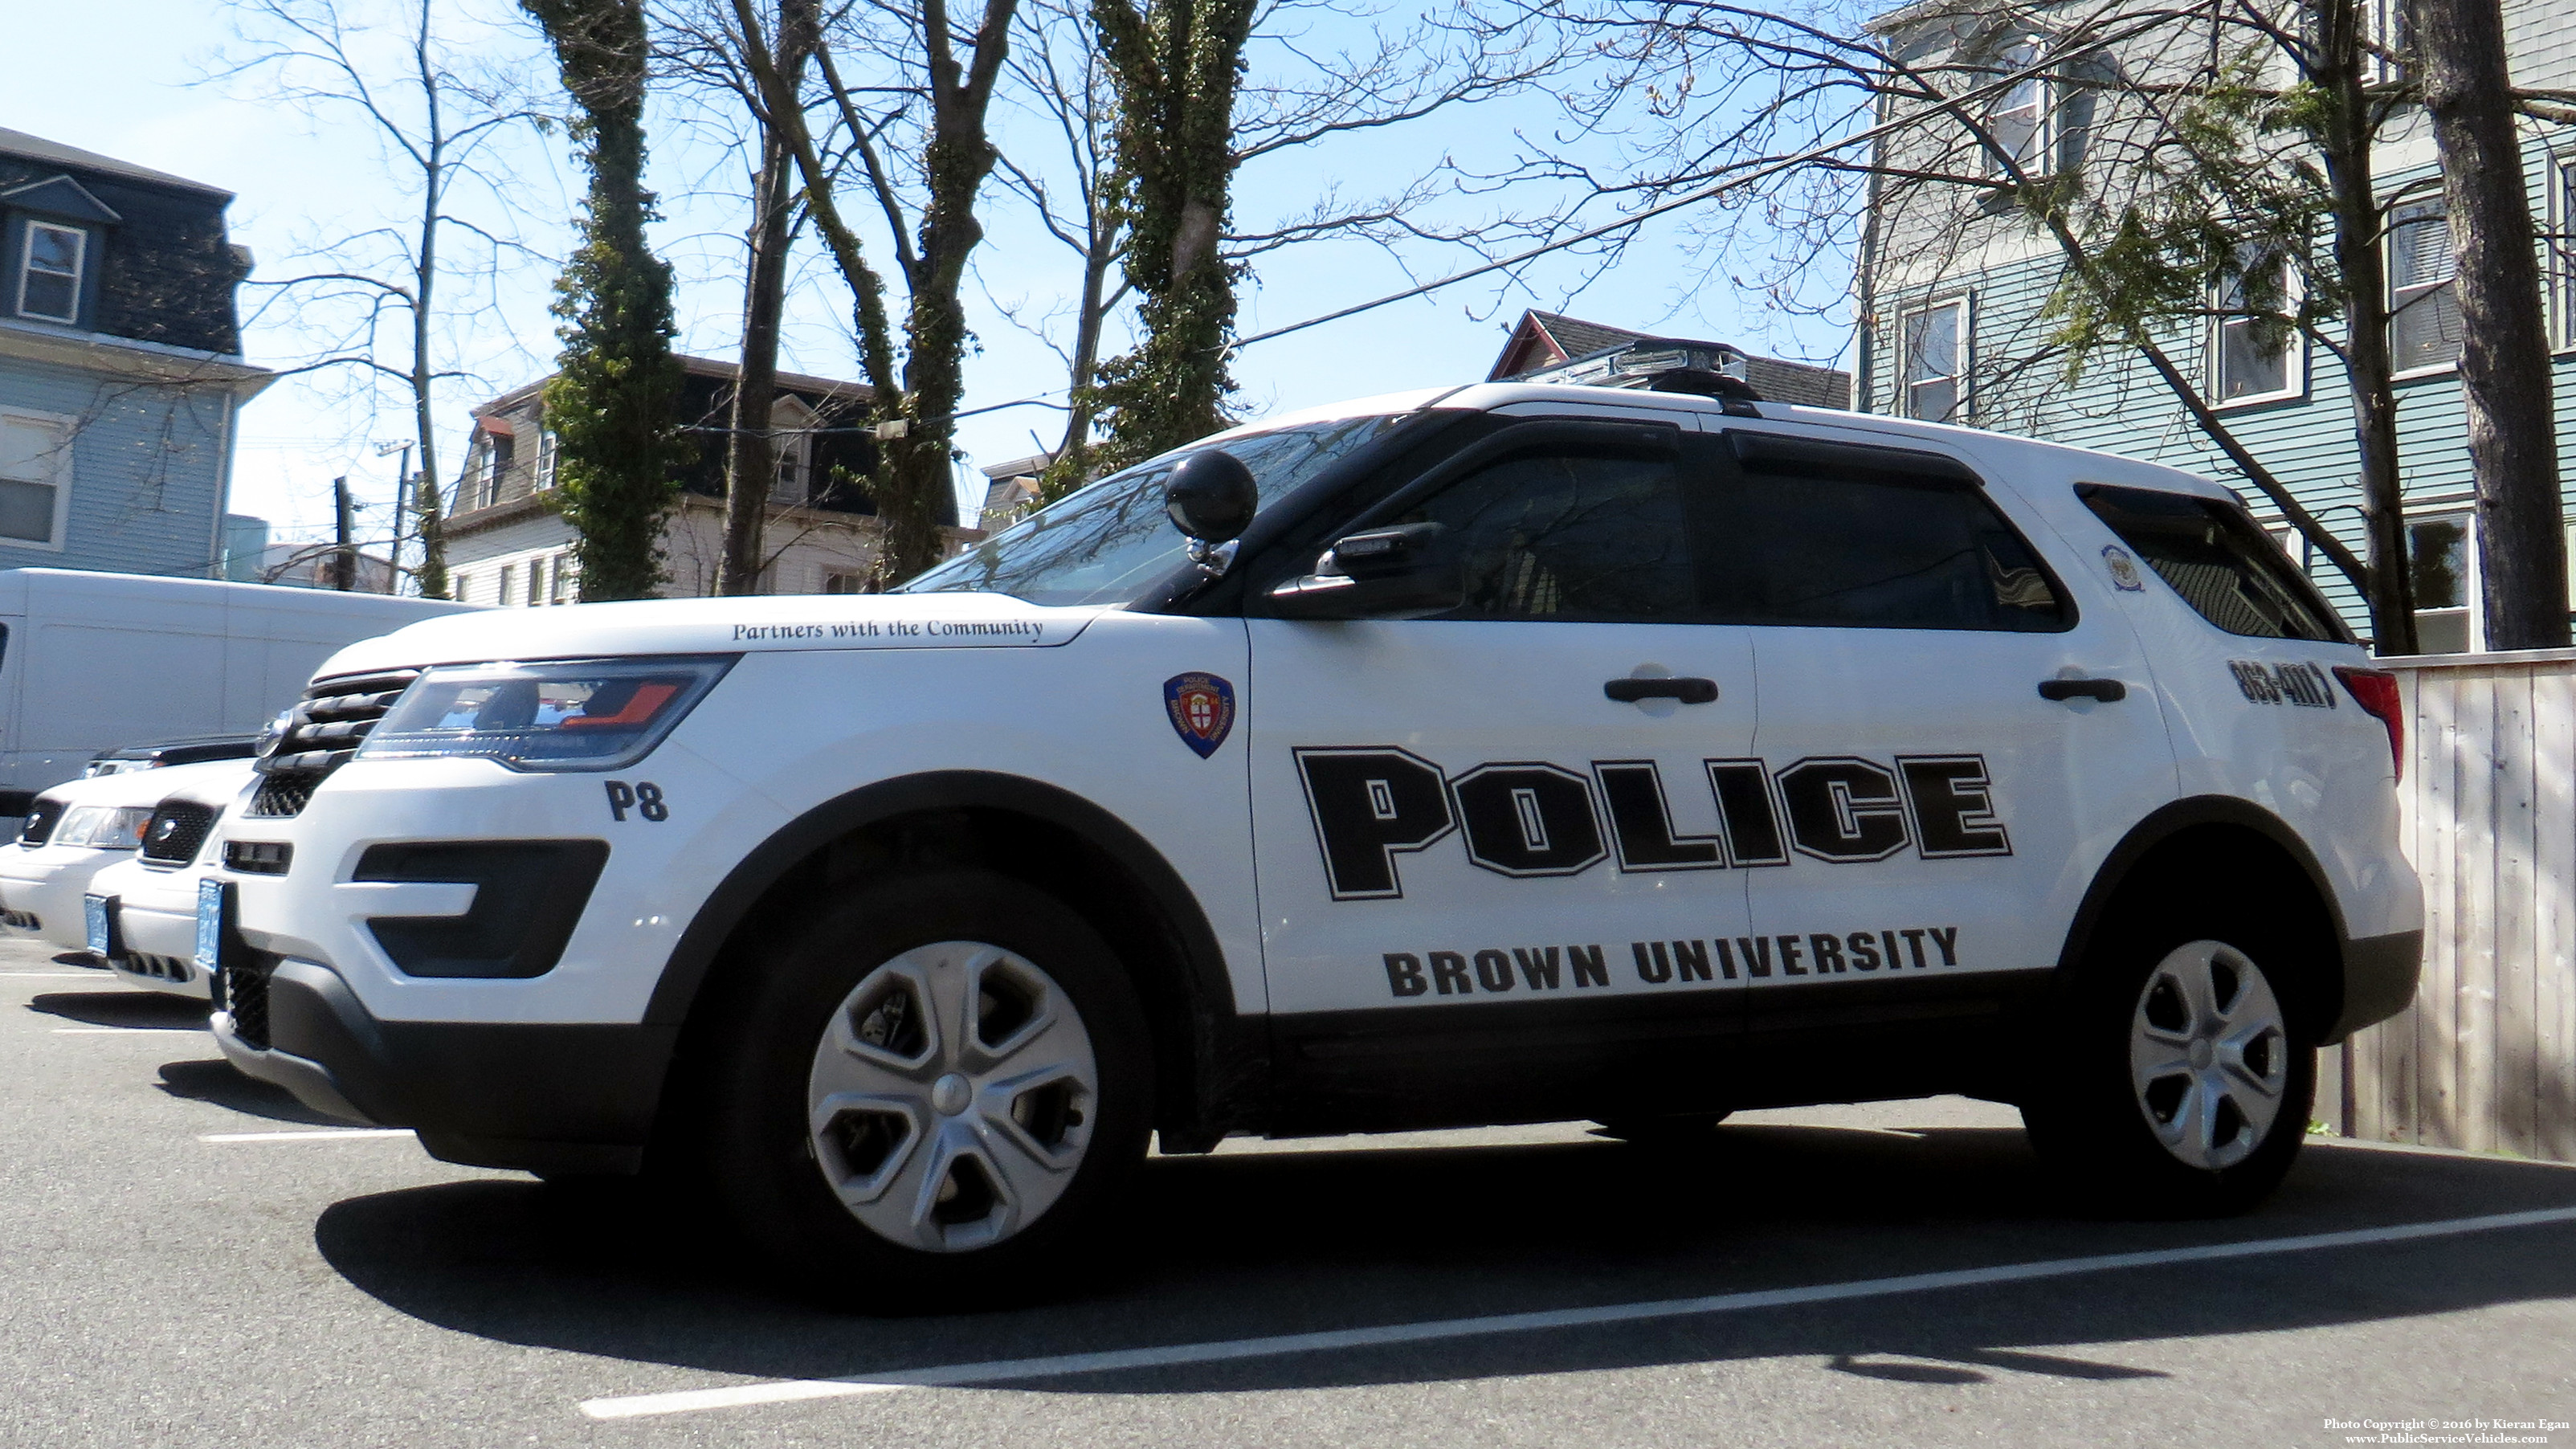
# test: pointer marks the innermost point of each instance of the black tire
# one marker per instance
(764, 1055)
(2104, 1135)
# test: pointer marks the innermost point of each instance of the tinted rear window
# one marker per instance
(2214, 556)
(1838, 535)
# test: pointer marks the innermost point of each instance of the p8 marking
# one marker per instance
(1530, 818)
(643, 798)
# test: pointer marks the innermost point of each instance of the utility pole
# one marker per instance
(402, 506)
(344, 559)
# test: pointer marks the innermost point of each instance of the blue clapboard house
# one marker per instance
(1954, 290)
(121, 374)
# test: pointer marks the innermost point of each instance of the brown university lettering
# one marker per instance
(1530, 818)
(1494, 970)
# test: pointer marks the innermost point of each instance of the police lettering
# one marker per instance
(1531, 818)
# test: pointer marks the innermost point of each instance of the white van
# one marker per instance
(94, 661)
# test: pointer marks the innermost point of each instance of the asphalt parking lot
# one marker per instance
(193, 1259)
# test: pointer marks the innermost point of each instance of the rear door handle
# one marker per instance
(2106, 690)
(1688, 691)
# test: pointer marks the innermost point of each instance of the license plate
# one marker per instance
(94, 914)
(210, 925)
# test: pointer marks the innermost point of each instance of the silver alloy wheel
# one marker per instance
(2209, 1054)
(952, 1095)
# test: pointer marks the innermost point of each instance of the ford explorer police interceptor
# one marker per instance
(1504, 753)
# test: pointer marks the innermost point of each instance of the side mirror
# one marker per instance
(1211, 497)
(1385, 573)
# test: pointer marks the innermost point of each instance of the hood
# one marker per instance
(213, 782)
(720, 626)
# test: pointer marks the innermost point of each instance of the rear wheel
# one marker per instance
(2183, 1090)
(929, 1093)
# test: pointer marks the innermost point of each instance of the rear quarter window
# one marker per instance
(2215, 557)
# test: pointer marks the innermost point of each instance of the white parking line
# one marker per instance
(1006, 1370)
(126, 1030)
(323, 1134)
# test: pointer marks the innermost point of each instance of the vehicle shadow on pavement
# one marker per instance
(122, 1006)
(1247, 1245)
(217, 1082)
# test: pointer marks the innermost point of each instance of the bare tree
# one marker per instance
(1056, 76)
(2187, 166)
(380, 298)
(1193, 111)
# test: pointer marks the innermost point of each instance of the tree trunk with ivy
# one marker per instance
(2504, 344)
(1174, 65)
(613, 401)
(432, 524)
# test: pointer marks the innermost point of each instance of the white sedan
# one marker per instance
(77, 829)
(153, 893)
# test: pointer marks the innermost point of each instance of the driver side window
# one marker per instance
(1568, 537)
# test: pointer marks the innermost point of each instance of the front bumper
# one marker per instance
(157, 921)
(50, 890)
(541, 1097)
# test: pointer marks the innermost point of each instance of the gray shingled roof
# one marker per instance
(1580, 338)
(55, 153)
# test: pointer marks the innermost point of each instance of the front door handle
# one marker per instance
(2106, 690)
(1688, 691)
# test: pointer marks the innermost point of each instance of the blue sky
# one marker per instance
(126, 80)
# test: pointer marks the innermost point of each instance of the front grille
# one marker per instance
(41, 819)
(23, 920)
(326, 728)
(246, 997)
(177, 832)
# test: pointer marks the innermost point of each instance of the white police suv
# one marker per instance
(1499, 754)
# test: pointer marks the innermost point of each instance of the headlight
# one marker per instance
(104, 827)
(592, 715)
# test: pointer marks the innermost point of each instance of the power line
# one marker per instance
(1758, 173)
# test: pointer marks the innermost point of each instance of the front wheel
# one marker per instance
(2182, 1091)
(927, 1094)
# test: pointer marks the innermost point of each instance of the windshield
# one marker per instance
(1110, 542)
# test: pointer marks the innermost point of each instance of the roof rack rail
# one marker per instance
(1656, 364)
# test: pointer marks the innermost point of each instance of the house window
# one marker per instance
(2443, 567)
(1931, 345)
(537, 580)
(509, 576)
(49, 284)
(35, 474)
(545, 459)
(2018, 118)
(563, 589)
(2423, 312)
(461, 587)
(2386, 31)
(790, 484)
(844, 583)
(2254, 356)
(2562, 251)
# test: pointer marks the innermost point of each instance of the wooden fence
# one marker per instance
(2486, 1058)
